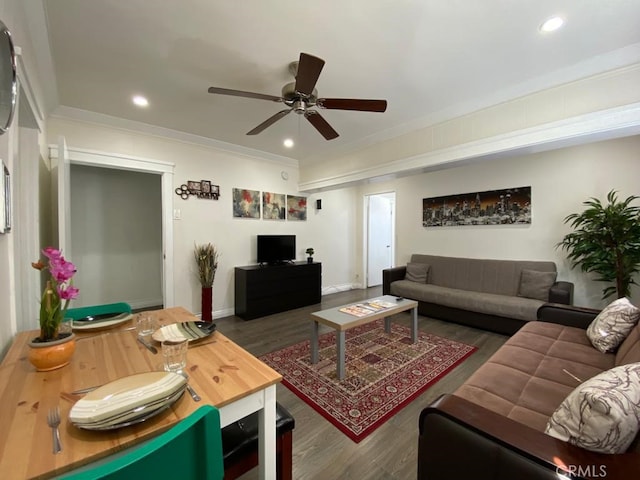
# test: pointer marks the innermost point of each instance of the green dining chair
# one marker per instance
(191, 450)
(95, 310)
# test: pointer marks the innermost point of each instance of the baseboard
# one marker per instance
(225, 312)
(145, 303)
(338, 288)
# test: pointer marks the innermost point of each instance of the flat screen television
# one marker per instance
(276, 249)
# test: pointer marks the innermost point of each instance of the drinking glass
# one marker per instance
(146, 325)
(174, 354)
(66, 327)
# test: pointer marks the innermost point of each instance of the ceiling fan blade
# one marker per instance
(321, 124)
(309, 68)
(240, 93)
(269, 121)
(352, 104)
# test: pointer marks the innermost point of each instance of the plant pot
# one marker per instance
(47, 356)
(309, 259)
(207, 302)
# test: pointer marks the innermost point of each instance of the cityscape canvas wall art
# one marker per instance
(273, 206)
(296, 207)
(493, 207)
(246, 203)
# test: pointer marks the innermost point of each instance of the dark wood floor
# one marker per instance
(321, 451)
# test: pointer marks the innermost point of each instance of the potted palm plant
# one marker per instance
(53, 349)
(206, 257)
(606, 241)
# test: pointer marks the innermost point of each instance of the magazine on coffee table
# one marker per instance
(367, 308)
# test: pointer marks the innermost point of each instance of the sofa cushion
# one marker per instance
(526, 378)
(501, 305)
(602, 414)
(613, 324)
(535, 284)
(417, 272)
(629, 351)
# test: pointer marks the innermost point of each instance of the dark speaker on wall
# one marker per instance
(319, 204)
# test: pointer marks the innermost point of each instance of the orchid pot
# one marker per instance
(53, 349)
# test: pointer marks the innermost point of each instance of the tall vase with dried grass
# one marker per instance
(206, 257)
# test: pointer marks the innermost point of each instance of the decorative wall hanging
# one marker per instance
(493, 207)
(201, 189)
(5, 199)
(273, 206)
(246, 203)
(296, 208)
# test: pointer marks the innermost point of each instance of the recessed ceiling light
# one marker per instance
(140, 101)
(288, 143)
(552, 24)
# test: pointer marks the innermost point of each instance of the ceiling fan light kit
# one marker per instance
(301, 96)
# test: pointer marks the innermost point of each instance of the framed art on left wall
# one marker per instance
(5, 200)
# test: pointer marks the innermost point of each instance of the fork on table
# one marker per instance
(53, 419)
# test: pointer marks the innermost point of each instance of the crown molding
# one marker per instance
(592, 127)
(132, 126)
(605, 64)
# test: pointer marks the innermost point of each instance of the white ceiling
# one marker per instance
(430, 59)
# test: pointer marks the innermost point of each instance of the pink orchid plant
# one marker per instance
(59, 287)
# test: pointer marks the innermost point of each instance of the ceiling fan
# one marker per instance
(301, 96)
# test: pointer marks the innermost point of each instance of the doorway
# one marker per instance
(62, 159)
(381, 221)
(116, 236)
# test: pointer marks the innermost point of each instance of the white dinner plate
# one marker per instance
(108, 322)
(184, 330)
(127, 398)
(137, 415)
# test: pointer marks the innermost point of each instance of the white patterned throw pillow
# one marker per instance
(613, 324)
(603, 414)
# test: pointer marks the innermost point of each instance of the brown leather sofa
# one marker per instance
(492, 427)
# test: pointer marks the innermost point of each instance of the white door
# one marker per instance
(380, 236)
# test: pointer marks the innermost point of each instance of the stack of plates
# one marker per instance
(94, 322)
(128, 400)
(190, 331)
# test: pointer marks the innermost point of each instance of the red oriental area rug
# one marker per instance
(384, 372)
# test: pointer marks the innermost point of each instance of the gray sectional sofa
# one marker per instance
(497, 295)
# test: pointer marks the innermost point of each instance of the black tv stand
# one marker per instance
(265, 289)
(274, 264)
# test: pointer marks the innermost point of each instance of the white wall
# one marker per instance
(330, 231)
(13, 15)
(116, 236)
(560, 181)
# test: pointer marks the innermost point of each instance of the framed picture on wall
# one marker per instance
(246, 203)
(7, 198)
(273, 206)
(193, 186)
(492, 207)
(296, 208)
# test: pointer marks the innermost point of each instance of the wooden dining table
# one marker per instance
(222, 373)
